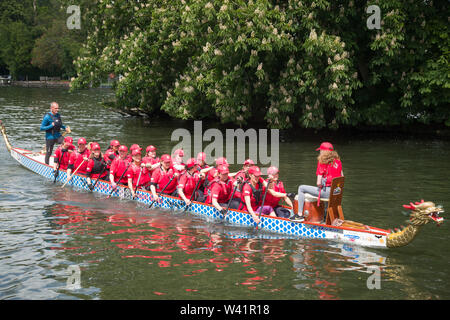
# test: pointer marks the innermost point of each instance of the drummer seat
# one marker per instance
(332, 205)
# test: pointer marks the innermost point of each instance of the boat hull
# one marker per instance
(369, 238)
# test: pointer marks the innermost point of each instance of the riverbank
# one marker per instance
(47, 84)
(41, 84)
(406, 131)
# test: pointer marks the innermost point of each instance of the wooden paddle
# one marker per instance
(71, 176)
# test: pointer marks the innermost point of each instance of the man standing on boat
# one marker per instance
(52, 125)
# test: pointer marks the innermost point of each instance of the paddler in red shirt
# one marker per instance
(241, 176)
(150, 160)
(119, 166)
(252, 194)
(201, 160)
(220, 190)
(132, 148)
(79, 158)
(188, 181)
(112, 152)
(212, 173)
(62, 154)
(137, 173)
(243, 173)
(162, 176)
(277, 192)
(329, 166)
(97, 166)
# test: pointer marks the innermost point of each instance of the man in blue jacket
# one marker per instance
(52, 125)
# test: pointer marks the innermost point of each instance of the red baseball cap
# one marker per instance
(82, 141)
(272, 170)
(191, 163)
(222, 169)
(165, 158)
(221, 160)
(136, 152)
(68, 140)
(95, 146)
(325, 146)
(179, 152)
(114, 143)
(248, 161)
(135, 147)
(201, 156)
(123, 148)
(254, 170)
(150, 148)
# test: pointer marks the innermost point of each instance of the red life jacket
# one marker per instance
(76, 158)
(95, 167)
(270, 199)
(133, 173)
(109, 156)
(161, 178)
(220, 190)
(62, 157)
(187, 183)
(118, 167)
(255, 194)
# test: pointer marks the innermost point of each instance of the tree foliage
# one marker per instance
(307, 63)
(35, 39)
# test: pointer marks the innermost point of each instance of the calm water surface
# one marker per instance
(125, 251)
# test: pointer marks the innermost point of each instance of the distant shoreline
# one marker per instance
(41, 84)
(45, 84)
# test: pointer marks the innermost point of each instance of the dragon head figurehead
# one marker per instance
(423, 212)
(420, 214)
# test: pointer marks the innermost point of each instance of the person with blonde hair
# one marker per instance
(329, 166)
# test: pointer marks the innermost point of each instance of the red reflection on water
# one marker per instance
(165, 234)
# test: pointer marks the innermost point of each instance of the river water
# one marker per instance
(121, 250)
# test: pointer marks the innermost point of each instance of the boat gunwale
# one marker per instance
(382, 232)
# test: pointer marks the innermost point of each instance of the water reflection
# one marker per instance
(120, 240)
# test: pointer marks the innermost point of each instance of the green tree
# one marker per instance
(308, 63)
(55, 49)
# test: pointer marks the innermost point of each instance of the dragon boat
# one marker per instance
(334, 227)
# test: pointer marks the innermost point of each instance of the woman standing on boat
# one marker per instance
(52, 125)
(329, 166)
(118, 167)
(97, 166)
